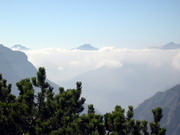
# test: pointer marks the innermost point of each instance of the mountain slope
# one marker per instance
(170, 102)
(14, 66)
(6, 69)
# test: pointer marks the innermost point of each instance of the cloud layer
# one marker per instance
(62, 64)
(116, 76)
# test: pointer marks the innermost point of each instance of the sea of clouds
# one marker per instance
(141, 73)
(63, 64)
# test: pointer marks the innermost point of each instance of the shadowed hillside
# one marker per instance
(15, 66)
(170, 102)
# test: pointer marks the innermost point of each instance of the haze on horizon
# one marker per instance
(68, 24)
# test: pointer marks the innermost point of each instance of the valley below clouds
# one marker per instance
(110, 75)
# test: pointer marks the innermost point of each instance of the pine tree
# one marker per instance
(155, 126)
(91, 123)
(38, 111)
(115, 122)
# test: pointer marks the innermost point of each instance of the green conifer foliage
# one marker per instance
(155, 126)
(38, 111)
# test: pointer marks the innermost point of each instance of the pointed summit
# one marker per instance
(86, 47)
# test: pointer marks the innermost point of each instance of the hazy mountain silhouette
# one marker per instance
(19, 47)
(129, 85)
(170, 46)
(86, 47)
(170, 102)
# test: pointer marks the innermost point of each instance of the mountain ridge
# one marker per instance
(169, 100)
(15, 66)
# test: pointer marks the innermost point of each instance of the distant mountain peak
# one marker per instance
(19, 47)
(86, 47)
(171, 45)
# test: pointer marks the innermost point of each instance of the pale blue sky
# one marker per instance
(70, 23)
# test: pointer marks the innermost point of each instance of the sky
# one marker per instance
(67, 24)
